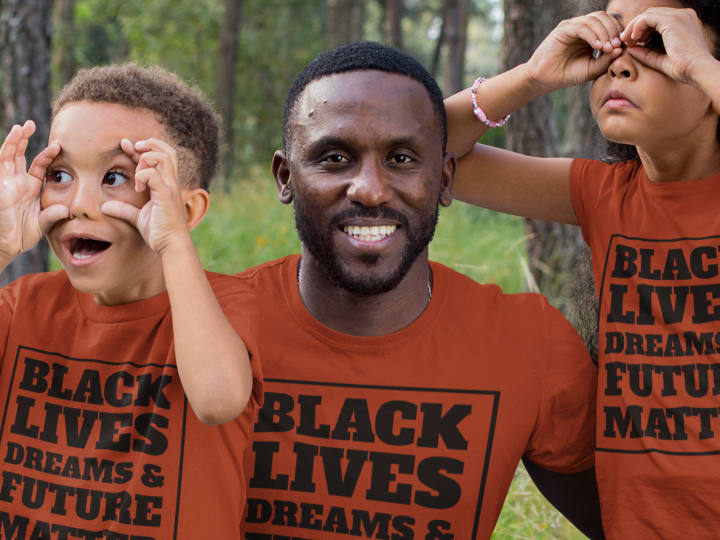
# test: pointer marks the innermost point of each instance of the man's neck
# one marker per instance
(363, 315)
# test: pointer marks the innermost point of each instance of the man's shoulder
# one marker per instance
(260, 280)
(465, 289)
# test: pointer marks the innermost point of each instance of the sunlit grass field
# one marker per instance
(250, 226)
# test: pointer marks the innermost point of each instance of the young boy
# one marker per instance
(96, 437)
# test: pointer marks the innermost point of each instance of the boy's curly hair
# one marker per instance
(184, 111)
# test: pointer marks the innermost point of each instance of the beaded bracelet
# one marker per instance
(478, 111)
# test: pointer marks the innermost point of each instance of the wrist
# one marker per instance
(706, 66)
(177, 245)
(533, 82)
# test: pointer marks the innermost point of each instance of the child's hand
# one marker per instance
(22, 223)
(161, 221)
(576, 51)
(684, 42)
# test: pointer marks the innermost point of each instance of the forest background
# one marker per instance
(244, 53)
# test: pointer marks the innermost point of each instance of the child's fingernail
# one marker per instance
(140, 144)
(616, 42)
(598, 44)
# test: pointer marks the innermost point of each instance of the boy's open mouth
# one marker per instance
(85, 248)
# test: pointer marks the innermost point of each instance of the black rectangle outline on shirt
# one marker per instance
(107, 363)
(602, 289)
(491, 430)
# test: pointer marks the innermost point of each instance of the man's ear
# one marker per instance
(448, 177)
(281, 172)
(197, 204)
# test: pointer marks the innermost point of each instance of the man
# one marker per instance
(399, 395)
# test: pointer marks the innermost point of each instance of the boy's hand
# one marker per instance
(576, 51)
(684, 45)
(161, 221)
(22, 223)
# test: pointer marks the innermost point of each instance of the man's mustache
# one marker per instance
(376, 212)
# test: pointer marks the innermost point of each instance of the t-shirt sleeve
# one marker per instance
(237, 306)
(578, 191)
(564, 436)
(7, 303)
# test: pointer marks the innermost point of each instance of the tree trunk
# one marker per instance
(63, 49)
(25, 33)
(393, 23)
(346, 19)
(226, 77)
(552, 247)
(455, 34)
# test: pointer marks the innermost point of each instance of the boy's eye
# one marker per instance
(58, 177)
(655, 42)
(114, 178)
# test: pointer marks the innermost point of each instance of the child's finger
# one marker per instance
(151, 178)
(8, 149)
(28, 128)
(157, 145)
(51, 215)
(603, 30)
(127, 146)
(161, 162)
(651, 59)
(39, 165)
(121, 210)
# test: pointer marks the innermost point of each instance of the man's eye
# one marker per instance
(401, 159)
(336, 158)
(655, 42)
(114, 178)
(58, 177)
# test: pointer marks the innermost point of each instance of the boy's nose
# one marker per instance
(370, 187)
(85, 201)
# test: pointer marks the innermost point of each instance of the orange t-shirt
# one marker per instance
(97, 439)
(416, 434)
(655, 250)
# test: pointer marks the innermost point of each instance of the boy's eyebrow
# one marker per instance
(617, 17)
(109, 154)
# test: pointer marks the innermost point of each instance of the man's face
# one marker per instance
(366, 172)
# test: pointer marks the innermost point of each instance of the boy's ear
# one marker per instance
(197, 204)
(281, 172)
(448, 176)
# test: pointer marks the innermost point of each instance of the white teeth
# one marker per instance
(370, 234)
(81, 256)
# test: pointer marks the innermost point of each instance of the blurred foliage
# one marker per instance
(277, 38)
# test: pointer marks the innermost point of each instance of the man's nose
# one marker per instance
(371, 186)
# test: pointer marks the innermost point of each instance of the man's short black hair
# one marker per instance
(363, 56)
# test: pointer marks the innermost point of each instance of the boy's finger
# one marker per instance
(7, 150)
(150, 177)
(128, 147)
(28, 128)
(51, 215)
(157, 145)
(121, 210)
(38, 168)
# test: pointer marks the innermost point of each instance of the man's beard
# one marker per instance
(319, 244)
